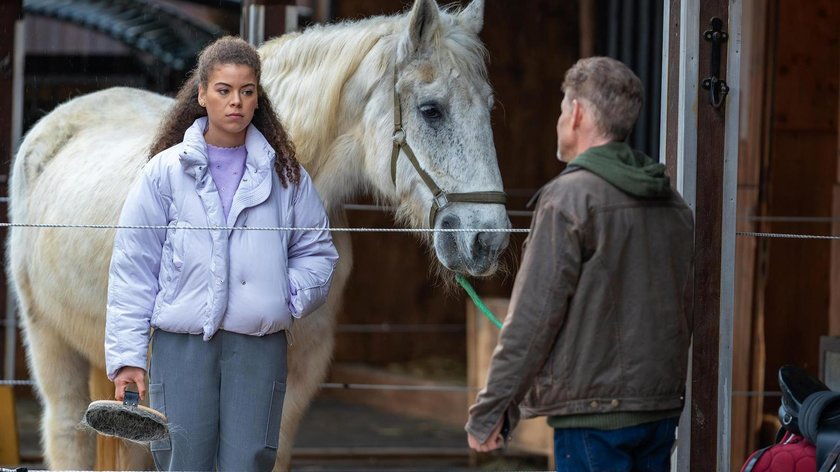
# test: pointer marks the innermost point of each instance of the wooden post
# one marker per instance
(834, 307)
(701, 153)
(10, 13)
(714, 243)
(9, 444)
(588, 31)
(670, 88)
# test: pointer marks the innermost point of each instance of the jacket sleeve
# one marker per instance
(544, 284)
(312, 255)
(133, 276)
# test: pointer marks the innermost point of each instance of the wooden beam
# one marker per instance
(711, 130)
(10, 13)
(834, 305)
(588, 29)
(748, 339)
(672, 87)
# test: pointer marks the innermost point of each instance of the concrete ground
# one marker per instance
(340, 436)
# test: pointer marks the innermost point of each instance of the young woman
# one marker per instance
(218, 302)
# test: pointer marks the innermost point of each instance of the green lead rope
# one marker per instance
(480, 304)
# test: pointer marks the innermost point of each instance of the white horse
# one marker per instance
(335, 89)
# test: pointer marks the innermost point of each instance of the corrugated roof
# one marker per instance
(167, 34)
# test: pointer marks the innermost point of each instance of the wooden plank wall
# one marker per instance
(803, 166)
(530, 44)
(787, 168)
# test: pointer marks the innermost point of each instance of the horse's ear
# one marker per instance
(472, 17)
(423, 20)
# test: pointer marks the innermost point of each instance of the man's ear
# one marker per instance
(577, 114)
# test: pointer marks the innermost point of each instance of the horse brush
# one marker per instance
(126, 420)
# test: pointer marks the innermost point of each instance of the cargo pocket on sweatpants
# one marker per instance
(275, 414)
(157, 402)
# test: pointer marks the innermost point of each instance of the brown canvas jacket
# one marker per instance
(600, 313)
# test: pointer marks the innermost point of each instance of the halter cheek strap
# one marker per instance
(440, 198)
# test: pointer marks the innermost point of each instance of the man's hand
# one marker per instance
(494, 441)
(129, 375)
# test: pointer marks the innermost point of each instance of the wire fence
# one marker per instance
(753, 234)
(441, 388)
(334, 386)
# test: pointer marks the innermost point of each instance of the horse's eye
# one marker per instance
(431, 112)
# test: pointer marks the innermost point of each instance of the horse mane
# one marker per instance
(305, 73)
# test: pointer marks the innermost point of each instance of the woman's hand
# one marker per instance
(129, 375)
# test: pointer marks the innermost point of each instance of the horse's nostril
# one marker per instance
(485, 240)
(489, 243)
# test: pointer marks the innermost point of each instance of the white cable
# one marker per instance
(269, 228)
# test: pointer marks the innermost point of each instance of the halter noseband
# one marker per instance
(440, 198)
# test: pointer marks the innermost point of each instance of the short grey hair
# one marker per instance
(612, 90)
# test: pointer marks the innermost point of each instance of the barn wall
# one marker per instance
(800, 180)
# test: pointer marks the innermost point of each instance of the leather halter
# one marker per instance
(440, 198)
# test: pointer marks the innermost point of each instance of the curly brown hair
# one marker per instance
(228, 50)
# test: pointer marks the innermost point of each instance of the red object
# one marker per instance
(792, 454)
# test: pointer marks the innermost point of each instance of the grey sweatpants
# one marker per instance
(223, 399)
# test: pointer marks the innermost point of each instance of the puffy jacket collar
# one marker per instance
(255, 185)
(259, 162)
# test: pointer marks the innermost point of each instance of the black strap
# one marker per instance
(831, 459)
(131, 398)
(750, 465)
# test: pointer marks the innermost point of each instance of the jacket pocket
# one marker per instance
(275, 414)
(179, 246)
(305, 300)
(172, 261)
(157, 402)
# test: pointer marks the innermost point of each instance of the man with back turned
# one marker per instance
(597, 334)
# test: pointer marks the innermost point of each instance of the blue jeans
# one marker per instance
(645, 447)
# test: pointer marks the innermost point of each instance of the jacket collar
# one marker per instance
(259, 161)
(255, 185)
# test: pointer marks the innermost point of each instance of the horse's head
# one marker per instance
(334, 87)
(444, 102)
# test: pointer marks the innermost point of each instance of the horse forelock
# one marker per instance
(463, 47)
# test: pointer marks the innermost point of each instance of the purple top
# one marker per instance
(226, 166)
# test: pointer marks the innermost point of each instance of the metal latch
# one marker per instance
(717, 87)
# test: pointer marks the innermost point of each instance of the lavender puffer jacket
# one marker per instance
(199, 281)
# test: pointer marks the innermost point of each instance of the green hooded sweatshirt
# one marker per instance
(631, 171)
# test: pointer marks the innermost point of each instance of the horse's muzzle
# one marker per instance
(474, 253)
